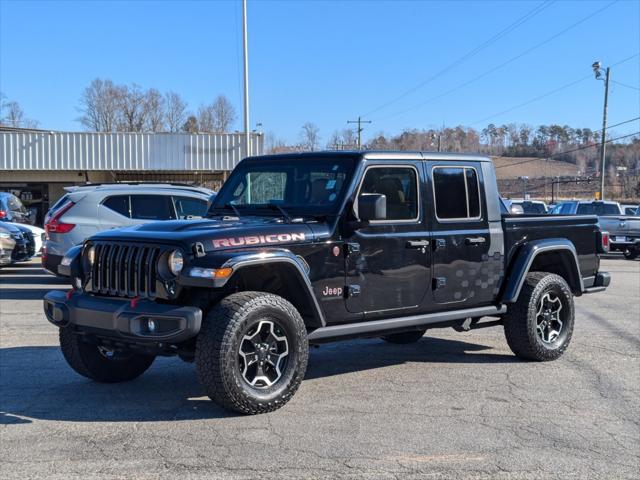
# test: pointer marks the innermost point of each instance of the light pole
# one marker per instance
(247, 134)
(603, 143)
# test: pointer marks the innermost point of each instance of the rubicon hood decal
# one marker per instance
(269, 239)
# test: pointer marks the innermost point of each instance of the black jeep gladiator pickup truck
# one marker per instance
(301, 249)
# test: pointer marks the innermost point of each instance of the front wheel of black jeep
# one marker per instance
(100, 363)
(539, 325)
(252, 351)
(631, 253)
(404, 338)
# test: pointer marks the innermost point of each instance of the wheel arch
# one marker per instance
(554, 255)
(282, 274)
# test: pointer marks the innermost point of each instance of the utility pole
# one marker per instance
(247, 134)
(603, 142)
(359, 122)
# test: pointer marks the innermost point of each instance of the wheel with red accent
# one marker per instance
(252, 351)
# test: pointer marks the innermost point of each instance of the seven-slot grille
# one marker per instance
(125, 270)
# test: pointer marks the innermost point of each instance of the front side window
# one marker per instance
(187, 207)
(151, 207)
(457, 193)
(310, 186)
(399, 185)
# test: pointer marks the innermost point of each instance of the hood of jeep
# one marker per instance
(215, 234)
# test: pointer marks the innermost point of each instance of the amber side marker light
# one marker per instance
(210, 272)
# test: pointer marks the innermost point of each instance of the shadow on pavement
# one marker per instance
(36, 382)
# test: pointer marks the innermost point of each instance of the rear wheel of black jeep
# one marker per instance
(539, 325)
(100, 363)
(252, 351)
(404, 338)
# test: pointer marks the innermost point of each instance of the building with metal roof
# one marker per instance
(37, 164)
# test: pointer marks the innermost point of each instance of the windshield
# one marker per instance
(299, 187)
(598, 209)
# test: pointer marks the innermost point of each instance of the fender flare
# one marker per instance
(237, 263)
(525, 258)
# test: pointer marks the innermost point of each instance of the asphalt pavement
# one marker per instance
(453, 405)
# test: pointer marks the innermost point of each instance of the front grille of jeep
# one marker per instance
(124, 270)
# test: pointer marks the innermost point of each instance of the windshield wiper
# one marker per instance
(275, 206)
(229, 206)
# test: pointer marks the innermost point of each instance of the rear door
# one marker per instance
(461, 240)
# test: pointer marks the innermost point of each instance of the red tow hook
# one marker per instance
(69, 294)
(134, 302)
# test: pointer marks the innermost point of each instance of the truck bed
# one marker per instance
(581, 230)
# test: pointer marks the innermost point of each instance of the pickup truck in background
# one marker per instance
(301, 249)
(624, 233)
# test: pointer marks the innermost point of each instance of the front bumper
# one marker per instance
(140, 321)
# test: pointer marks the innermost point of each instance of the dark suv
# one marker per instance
(301, 249)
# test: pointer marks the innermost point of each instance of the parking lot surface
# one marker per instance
(454, 405)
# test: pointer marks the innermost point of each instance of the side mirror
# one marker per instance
(372, 206)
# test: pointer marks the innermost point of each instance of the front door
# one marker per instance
(387, 262)
(462, 270)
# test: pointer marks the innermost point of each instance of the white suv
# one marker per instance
(89, 209)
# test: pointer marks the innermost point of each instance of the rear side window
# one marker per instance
(151, 207)
(187, 207)
(457, 193)
(119, 204)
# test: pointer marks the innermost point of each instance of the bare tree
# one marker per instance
(206, 122)
(154, 106)
(14, 115)
(132, 105)
(223, 114)
(175, 111)
(99, 106)
(191, 125)
(309, 136)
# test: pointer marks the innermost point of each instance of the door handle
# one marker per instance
(474, 240)
(417, 243)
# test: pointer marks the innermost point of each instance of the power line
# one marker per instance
(551, 92)
(625, 85)
(584, 147)
(502, 65)
(532, 13)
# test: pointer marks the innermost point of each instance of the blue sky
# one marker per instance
(329, 61)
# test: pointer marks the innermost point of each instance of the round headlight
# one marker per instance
(176, 262)
(91, 255)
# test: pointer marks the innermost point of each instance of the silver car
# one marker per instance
(89, 209)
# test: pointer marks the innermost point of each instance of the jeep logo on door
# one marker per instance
(258, 240)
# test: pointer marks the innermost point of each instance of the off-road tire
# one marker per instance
(218, 344)
(520, 320)
(404, 338)
(631, 253)
(87, 360)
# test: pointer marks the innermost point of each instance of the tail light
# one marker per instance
(604, 242)
(54, 225)
(3, 214)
